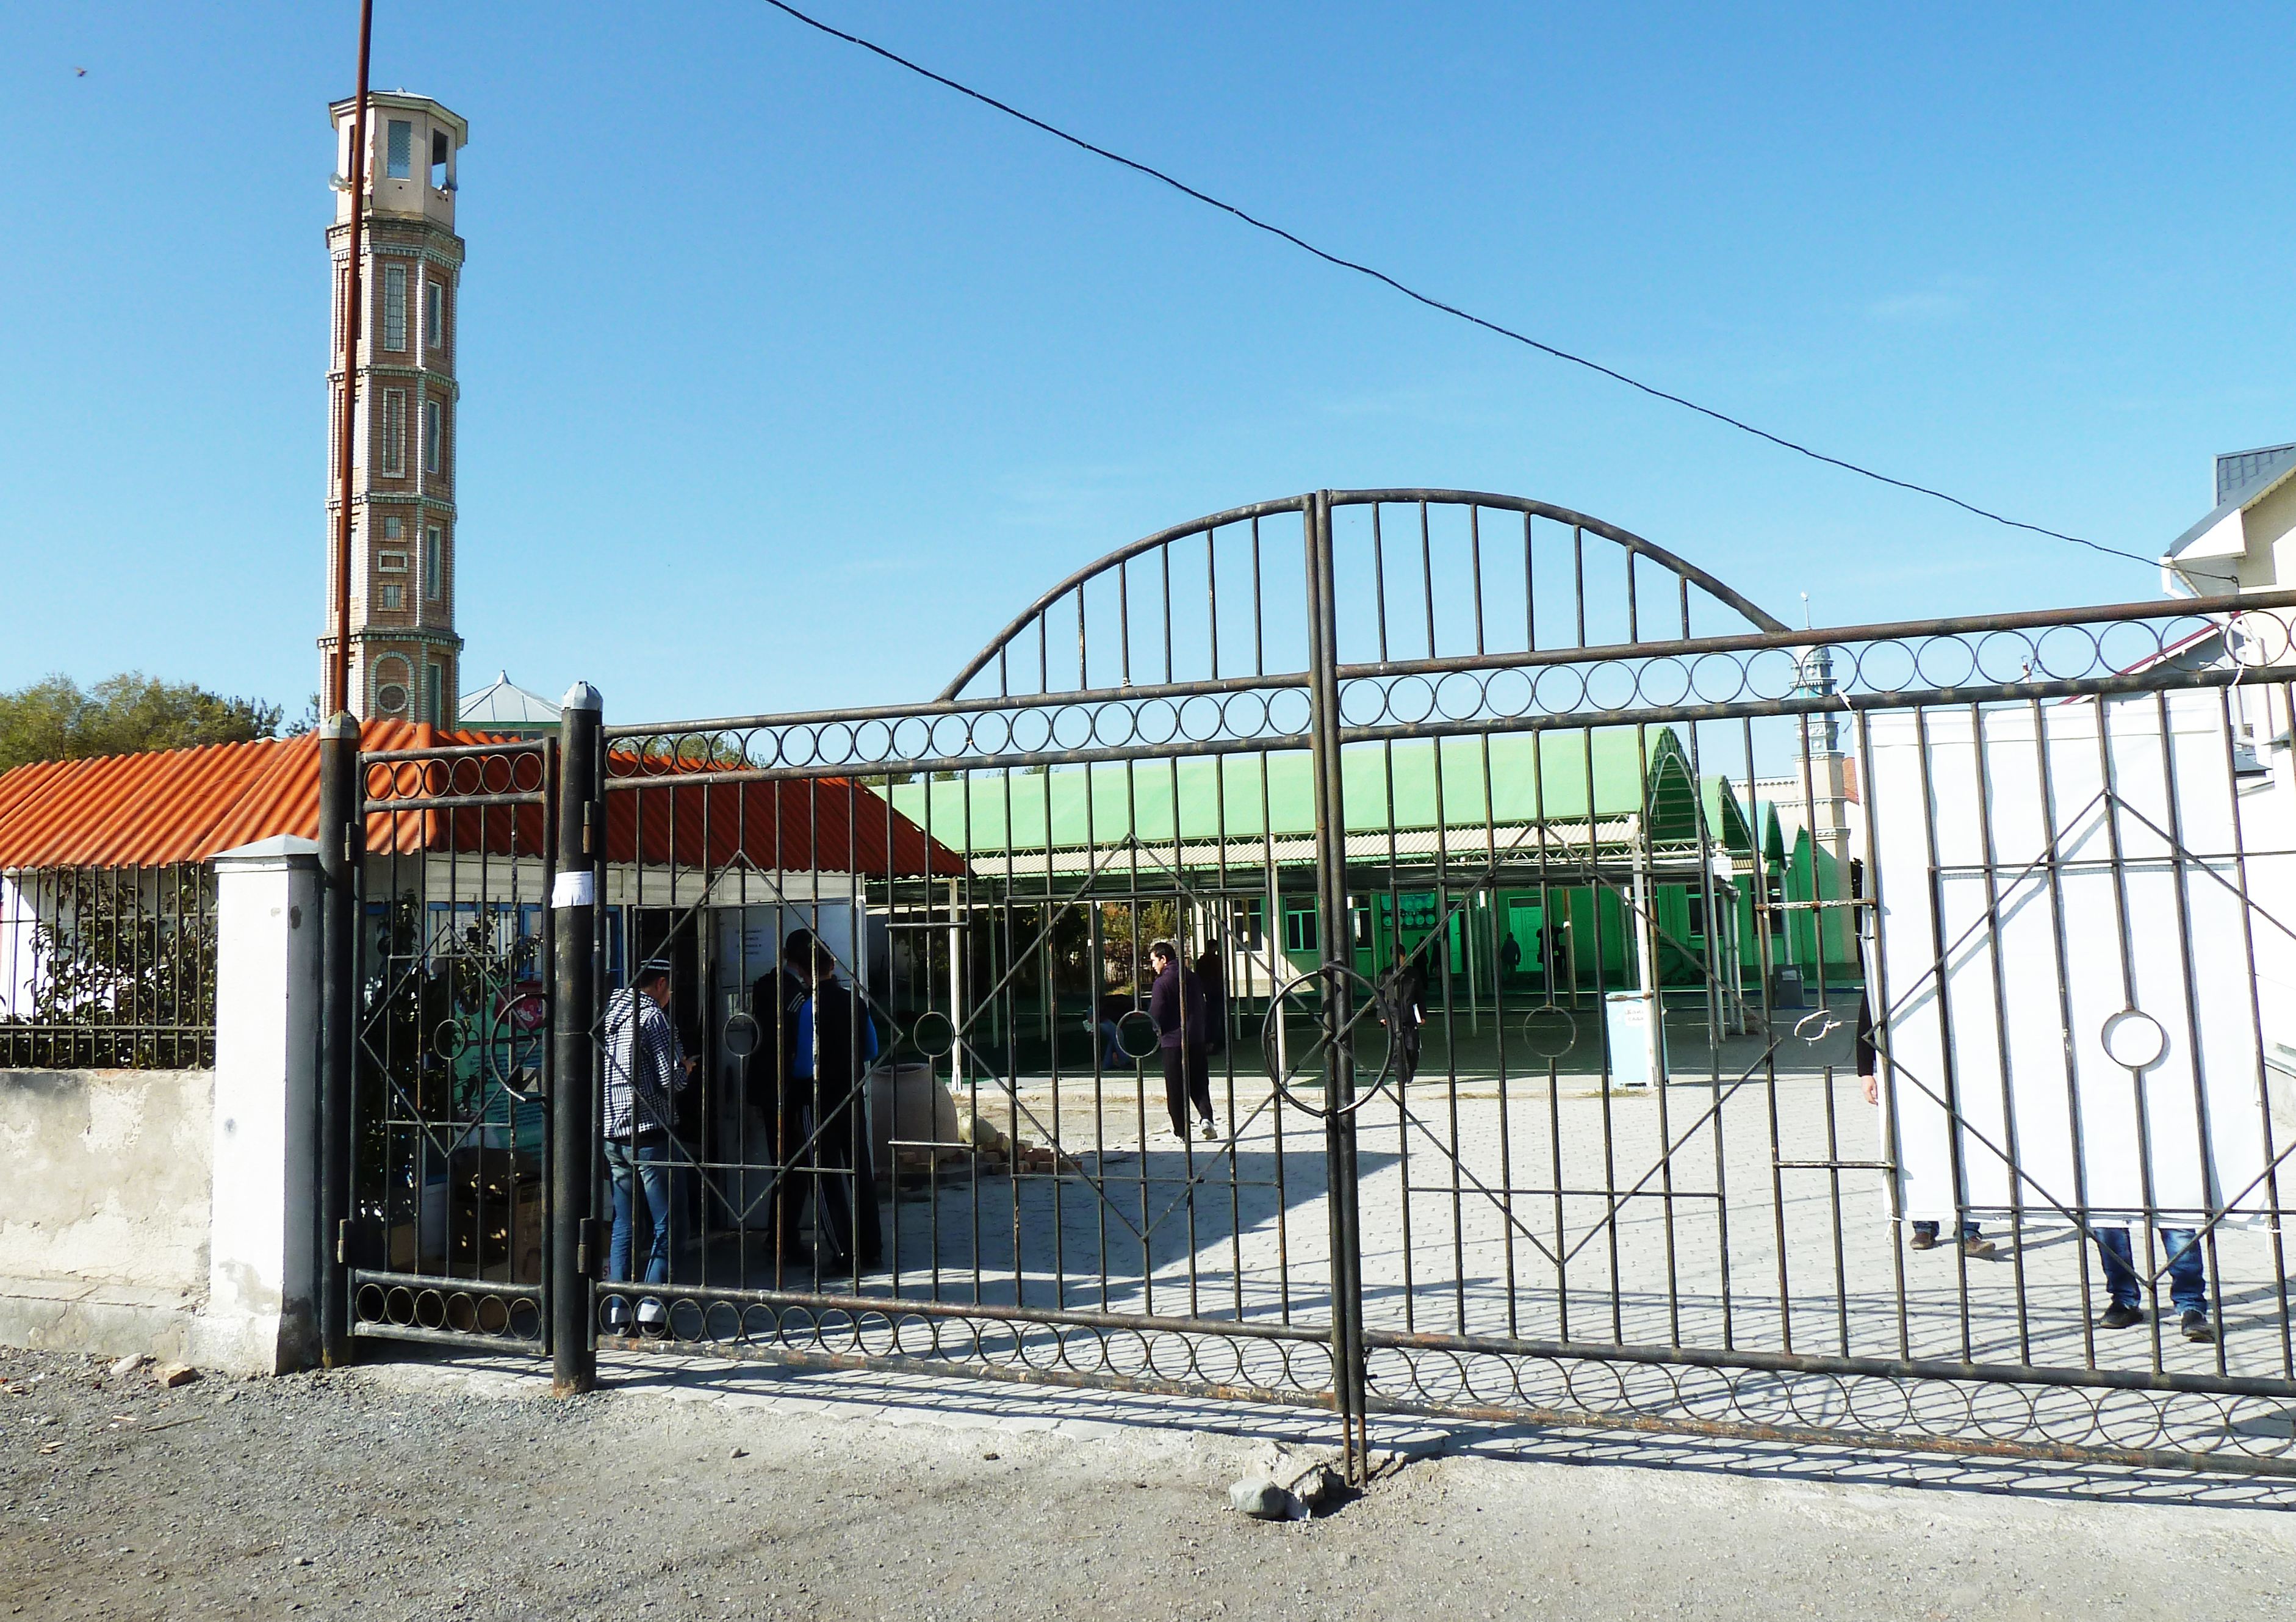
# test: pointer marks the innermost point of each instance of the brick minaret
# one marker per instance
(404, 652)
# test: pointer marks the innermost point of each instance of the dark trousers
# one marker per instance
(1187, 1079)
(844, 1202)
(785, 1123)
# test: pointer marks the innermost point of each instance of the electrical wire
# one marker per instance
(1433, 303)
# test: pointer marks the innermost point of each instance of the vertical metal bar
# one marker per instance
(1993, 945)
(1475, 566)
(2112, 809)
(581, 835)
(341, 849)
(2255, 1035)
(2212, 1194)
(1427, 577)
(1347, 1370)
(2053, 864)
(1941, 979)
(1876, 989)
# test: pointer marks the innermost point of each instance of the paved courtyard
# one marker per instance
(1747, 1214)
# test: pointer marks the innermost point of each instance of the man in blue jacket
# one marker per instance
(835, 1044)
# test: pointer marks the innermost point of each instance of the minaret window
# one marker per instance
(394, 434)
(394, 596)
(431, 432)
(432, 570)
(439, 149)
(398, 158)
(390, 529)
(394, 307)
(434, 315)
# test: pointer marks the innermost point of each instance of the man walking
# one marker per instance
(646, 1068)
(1402, 1007)
(1176, 1003)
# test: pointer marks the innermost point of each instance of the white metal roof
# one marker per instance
(502, 703)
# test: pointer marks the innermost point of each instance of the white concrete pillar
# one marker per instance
(261, 1278)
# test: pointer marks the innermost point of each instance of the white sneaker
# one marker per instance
(651, 1313)
(1211, 1133)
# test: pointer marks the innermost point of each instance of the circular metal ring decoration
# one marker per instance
(1331, 975)
(2134, 1038)
(449, 1039)
(742, 1034)
(934, 1034)
(1136, 1035)
(1549, 1031)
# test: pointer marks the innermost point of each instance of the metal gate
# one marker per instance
(448, 1235)
(1549, 909)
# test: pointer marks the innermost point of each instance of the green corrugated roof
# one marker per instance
(1533, 777)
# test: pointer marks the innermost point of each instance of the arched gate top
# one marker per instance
(1455, 573)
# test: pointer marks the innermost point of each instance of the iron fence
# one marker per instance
(1598, 1003)
(107, 968)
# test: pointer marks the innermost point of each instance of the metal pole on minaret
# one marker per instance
(338, 698)
(341, 827)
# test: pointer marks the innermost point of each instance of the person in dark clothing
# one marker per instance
(1113, 1010)
(774, 1092)
(1510, 956)
(1974, 1242)
(1402, 1009)
(1175, 1002)
(835, 1046)
(1213, 978)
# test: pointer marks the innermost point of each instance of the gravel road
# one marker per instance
(448, 1491)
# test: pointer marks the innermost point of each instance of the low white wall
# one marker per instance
(173, 1212)
(105, 1209)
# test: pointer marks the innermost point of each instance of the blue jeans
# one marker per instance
(2188, 1281)
(1111, 1053)
(645, 1164)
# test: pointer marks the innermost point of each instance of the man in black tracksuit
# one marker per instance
(1175, 1002)
(835, 1046)
(774, 1092)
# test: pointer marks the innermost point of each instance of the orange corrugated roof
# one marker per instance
(172, 806)
(187, 805)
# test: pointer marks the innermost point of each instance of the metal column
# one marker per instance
(581, 835)
(342, 848)
(1348, 1373)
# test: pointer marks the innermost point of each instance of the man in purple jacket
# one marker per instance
(1175, 1002)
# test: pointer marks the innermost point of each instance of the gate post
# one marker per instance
(1340, 1192)
(342, 850)
(581, 835)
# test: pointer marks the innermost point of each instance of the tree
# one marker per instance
(1123, 947)
(125, 715)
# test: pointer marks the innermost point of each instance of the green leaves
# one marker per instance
(55, 720)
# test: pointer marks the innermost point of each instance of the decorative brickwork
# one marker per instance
(405, 655)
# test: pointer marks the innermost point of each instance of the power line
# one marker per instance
(1433, 303)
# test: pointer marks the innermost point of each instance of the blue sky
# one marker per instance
(788, 378)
